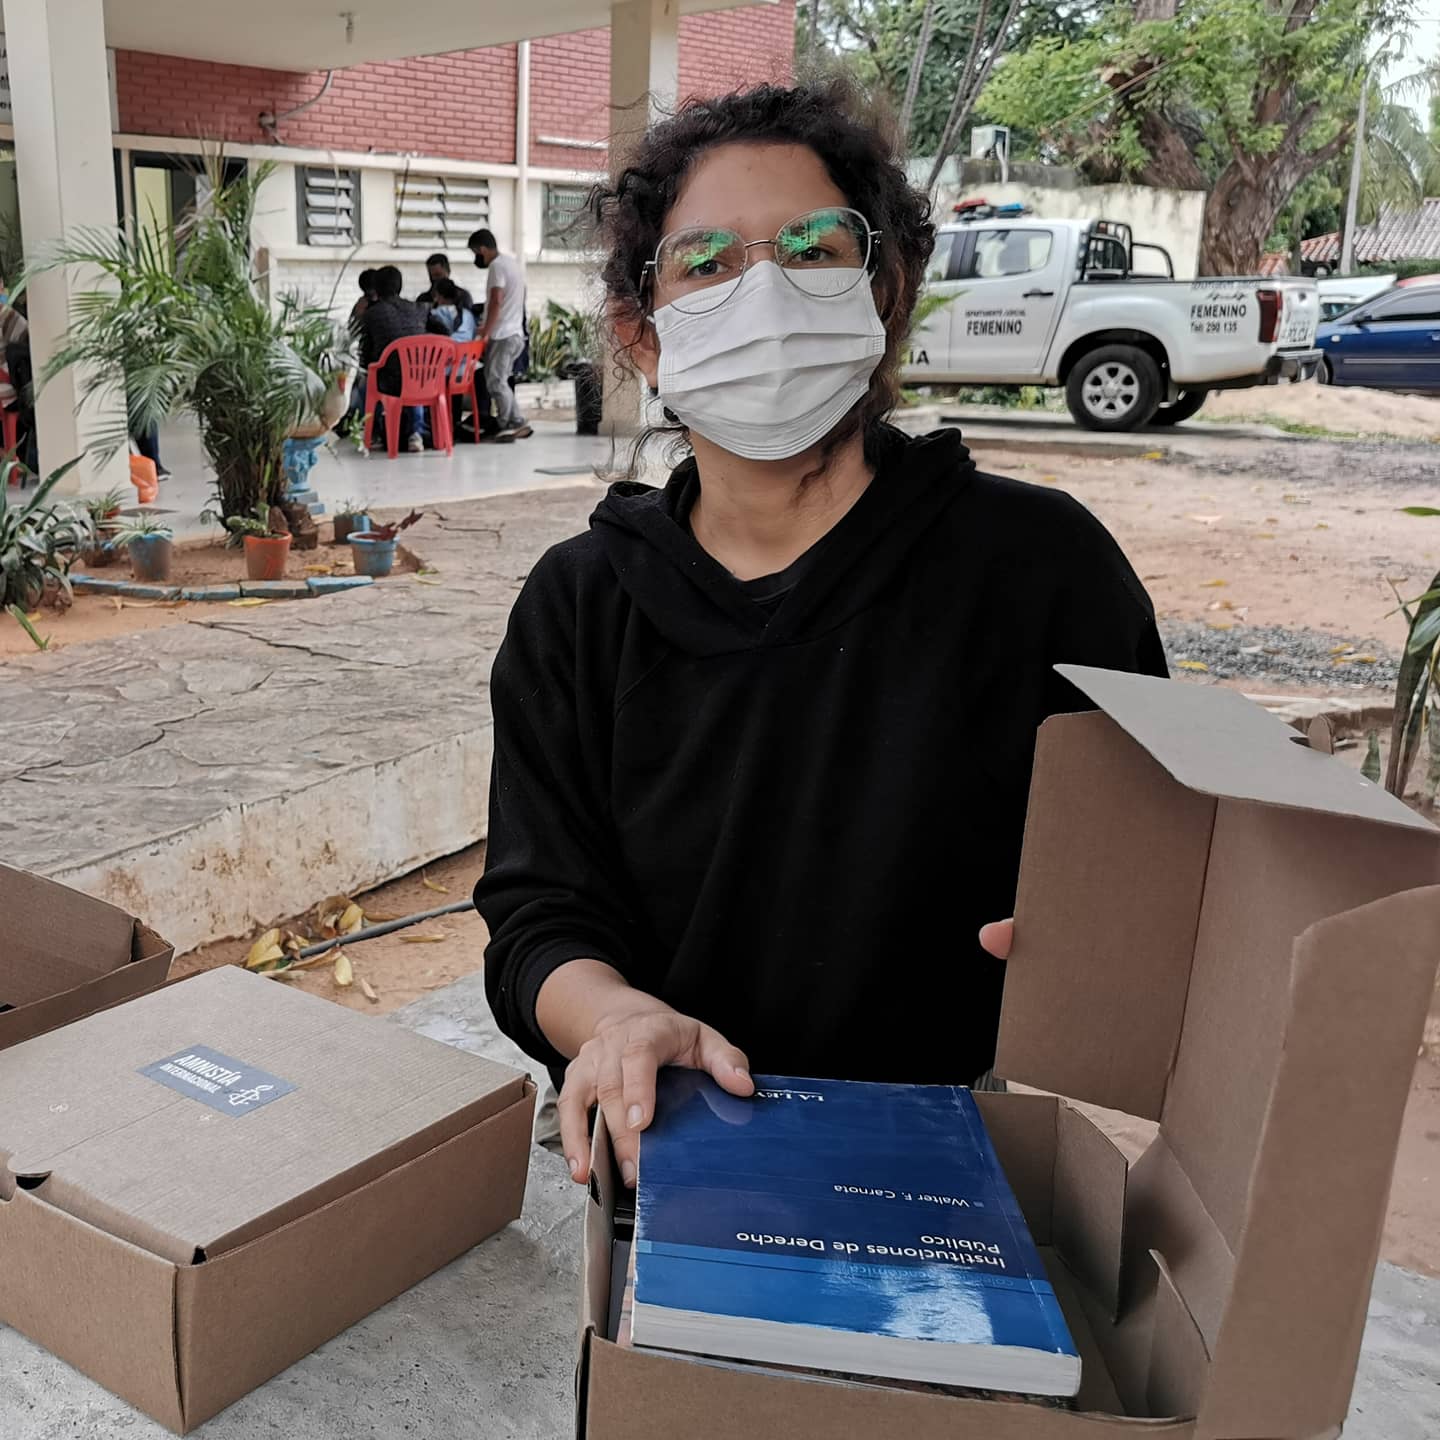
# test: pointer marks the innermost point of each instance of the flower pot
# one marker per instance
(150, 557)
(347, 525)
(100, 554)
(373, 556)
(265, 556)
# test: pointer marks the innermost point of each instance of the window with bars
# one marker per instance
(329, 208)
(439, 212)
(565, 227)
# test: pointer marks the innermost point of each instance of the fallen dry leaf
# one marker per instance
(1206, 519)
(248, 602)
(1263, 535)
(1365, 659)
(1321, 525)
(1213, 584)
(351, 918)
(344, 971)
(423, 939)
(265, 951)
(1341, 649)
(425, 580)
(1294, 500)
(434, 885)
(1220, 624)
(368, 991)
(117, 602)
(381, 917)
(1049, 479)
(1191, 665)
(1153, 455)
(319, 569)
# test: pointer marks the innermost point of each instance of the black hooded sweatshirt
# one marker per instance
(786, 807)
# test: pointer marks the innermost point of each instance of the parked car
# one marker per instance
(1391, 343)
(1081, 304)
(1345, 292)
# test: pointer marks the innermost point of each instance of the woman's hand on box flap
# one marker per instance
(997, 937)
(616, 1070)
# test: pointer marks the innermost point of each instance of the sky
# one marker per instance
(1424, 48)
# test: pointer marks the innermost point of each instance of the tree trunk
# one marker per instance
(1240, 217)
(917, 65)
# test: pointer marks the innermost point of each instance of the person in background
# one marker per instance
(386, 319)
(450, 307)
(368, 296)
(148, 445)
(503, 332)
(15, 378)
(438, 268)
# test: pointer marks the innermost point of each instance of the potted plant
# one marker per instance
(103, 510)
(184, 324)
(266, 541)
(38, 541)
(374, 549)
(349, 518)
(150, 543)
(578, 345)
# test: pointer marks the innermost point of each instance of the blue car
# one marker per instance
(1389, 343)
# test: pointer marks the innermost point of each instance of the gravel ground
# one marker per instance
(1280, 656)
(1323, 466)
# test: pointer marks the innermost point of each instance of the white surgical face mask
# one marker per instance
(774, 369)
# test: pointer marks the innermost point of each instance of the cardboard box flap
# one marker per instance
(197, 1117)
(42, 958)
(1289, 1341)
(1218, 743)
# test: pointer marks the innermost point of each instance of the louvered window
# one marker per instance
(439, 212)
(329, 206)
(565, 227)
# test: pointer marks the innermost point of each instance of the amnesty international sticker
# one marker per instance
(230, 1086)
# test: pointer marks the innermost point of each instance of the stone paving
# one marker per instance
(485, 1349)
(236, 753)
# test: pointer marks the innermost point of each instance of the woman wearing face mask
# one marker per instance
(763, 738)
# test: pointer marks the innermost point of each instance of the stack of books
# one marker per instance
(856, 1231)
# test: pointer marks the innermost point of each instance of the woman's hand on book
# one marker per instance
(997, 937)
(616, 1070)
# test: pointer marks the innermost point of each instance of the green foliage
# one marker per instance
(877, 40)
(561, 340)
(41, 642)
(144, 527)
(180, 323)
(1416, 681)
(1204, 70)
(257, 522)
(1402, 269)
(101, 507)
(39, 541)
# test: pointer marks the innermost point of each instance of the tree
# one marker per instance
(1245, 99)
(885, 44)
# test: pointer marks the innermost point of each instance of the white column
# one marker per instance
(644, 81)
(519, 240)
(60, 92)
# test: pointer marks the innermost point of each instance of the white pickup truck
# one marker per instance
(1021, 301)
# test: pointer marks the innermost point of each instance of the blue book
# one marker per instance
(840, 1226)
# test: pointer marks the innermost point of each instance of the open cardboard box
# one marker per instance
(202, 1185)
(65, 954)
(1218, 928)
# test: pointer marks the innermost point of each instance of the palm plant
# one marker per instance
(38, 541)
(179, 322)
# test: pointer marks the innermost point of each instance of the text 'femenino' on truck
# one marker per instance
(1022, 301)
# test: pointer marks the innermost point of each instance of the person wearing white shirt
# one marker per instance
(503, 331)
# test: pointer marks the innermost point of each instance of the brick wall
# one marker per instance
(460, 105)
(570, 74)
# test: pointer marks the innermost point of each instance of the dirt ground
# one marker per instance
(1340, 409)
(196, 562)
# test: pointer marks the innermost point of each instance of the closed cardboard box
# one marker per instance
(64, 954)
(1219, 929)
(200, 1186)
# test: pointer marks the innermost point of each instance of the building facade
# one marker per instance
(387, 161)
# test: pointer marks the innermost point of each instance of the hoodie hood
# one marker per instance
(701, 609)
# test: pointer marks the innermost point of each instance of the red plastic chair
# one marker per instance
(466, 375)
(424, 363)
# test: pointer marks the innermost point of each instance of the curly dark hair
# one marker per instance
(855, 144)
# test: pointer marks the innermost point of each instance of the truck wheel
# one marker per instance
(1188, 403)
(1116, 387)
